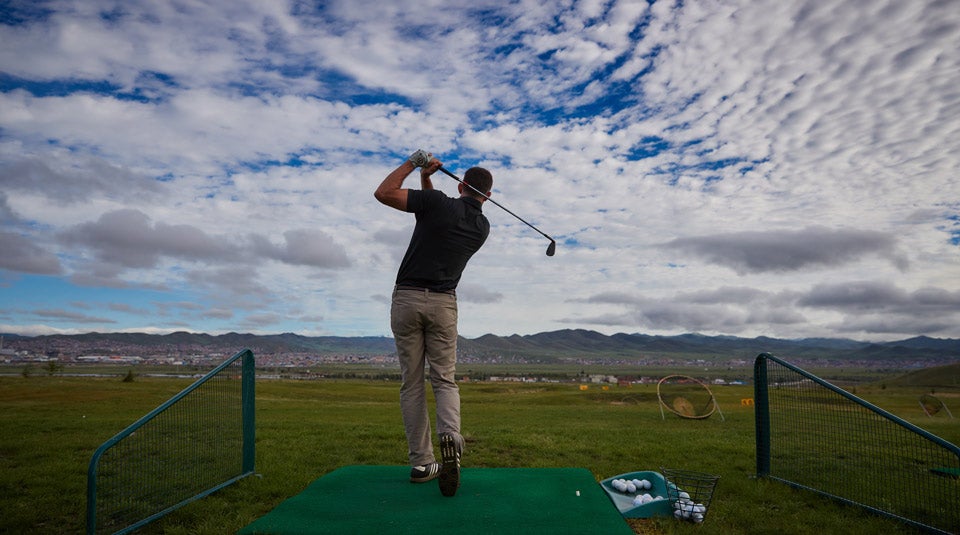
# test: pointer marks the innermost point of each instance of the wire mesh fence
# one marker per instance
(194, 444)
(814, 435)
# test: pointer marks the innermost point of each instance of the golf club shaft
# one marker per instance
(484, 195)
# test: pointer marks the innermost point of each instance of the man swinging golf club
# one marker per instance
(423, 312)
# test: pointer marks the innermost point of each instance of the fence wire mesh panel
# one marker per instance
(194, 444)
(814, 435)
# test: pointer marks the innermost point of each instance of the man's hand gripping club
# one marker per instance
(391, 191)
(428, 165)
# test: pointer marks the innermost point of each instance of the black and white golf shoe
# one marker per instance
(422, 474)
(449, 465)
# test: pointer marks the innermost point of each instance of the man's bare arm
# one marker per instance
(390, 192)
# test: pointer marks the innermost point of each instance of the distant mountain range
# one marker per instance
(547, 345)
(585, 342)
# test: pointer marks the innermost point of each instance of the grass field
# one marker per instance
(50, 426)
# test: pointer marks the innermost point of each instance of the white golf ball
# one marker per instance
(677, 514)
(631, 488)
(697, 517)
(683, 495)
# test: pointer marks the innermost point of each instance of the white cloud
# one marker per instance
(22, 255)
(304, 247)
(789, 250)
(127, 238)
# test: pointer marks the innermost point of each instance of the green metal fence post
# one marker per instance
(249, 417)
(761, 406)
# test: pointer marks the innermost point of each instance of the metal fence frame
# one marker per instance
(248, 376)
(765, 447)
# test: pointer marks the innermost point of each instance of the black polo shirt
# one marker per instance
(447, 233)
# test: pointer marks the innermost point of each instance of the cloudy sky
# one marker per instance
(776, 168)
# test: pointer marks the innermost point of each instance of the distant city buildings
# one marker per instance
(111, 359)
(630, 368)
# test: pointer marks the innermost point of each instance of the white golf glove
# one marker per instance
(420, 158)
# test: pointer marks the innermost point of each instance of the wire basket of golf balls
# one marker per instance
(689, 493)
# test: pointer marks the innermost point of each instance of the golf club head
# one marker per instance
(552, 248)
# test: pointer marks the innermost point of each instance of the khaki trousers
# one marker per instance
(424, 326)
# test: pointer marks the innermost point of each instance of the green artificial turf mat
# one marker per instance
(381, 499)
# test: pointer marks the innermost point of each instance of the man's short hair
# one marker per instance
(479, 178)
